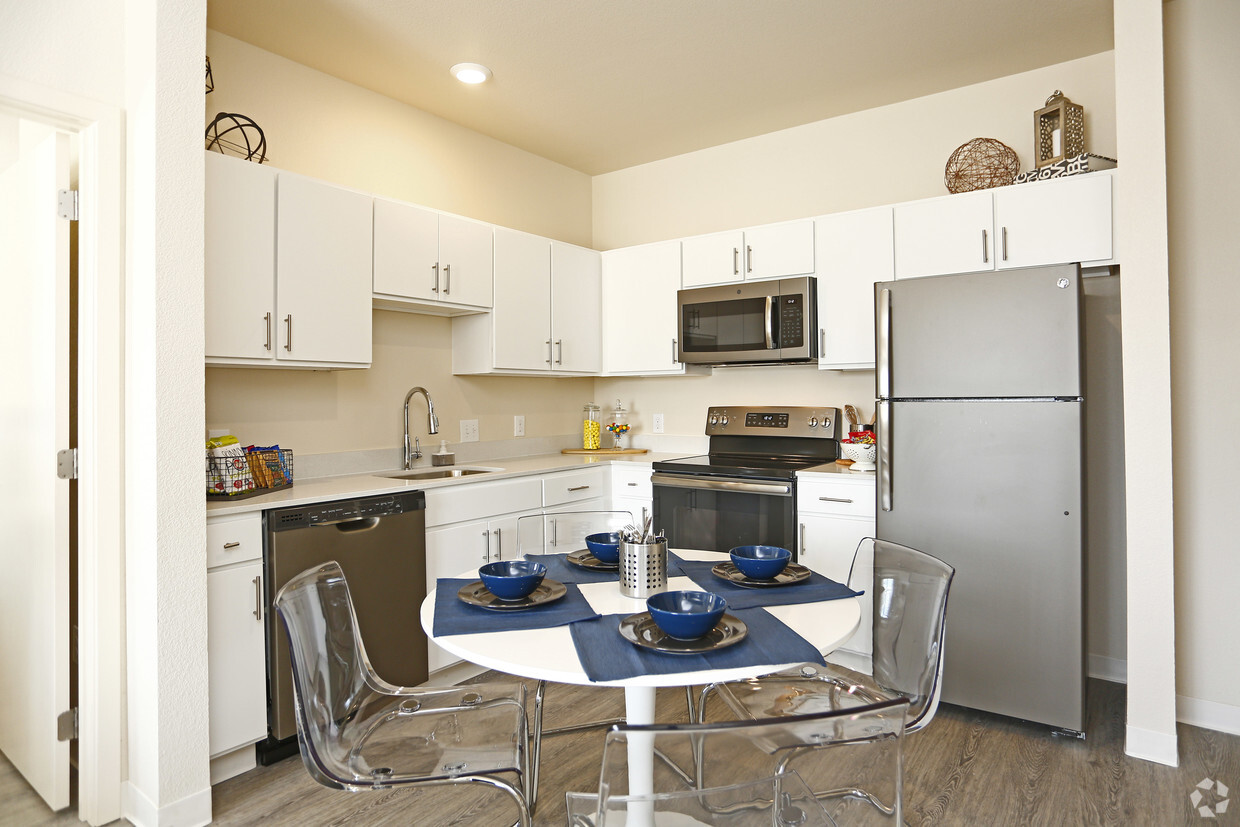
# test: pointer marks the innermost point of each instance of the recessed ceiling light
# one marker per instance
(472, 73)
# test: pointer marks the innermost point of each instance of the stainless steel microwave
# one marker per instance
(755, 323)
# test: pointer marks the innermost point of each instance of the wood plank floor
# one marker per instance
(967, 768)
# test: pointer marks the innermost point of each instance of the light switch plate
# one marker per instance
(469, 430)
(518, 426)
(658, 423)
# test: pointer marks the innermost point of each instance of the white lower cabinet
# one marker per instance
(236, 650)
(631, 490)
(835, 513)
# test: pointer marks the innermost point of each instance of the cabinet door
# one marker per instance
(828, 545)
(576, 282)
(323, 272)
(406, 250)
(952, 234)
(451, 550)
(465, 261)
(522, 313)
(779, 250)
(1054, 222)
(639, 309)
(236, 658)
(502, 542)
(853, 251)
(240, 258)
(713, 259)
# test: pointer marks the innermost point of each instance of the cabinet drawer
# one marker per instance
(234, 539)
(482, 500)
(847, 498)
(631, 480)
(573, 486)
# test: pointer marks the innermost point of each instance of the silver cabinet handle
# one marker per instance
(258, 597)
(822, 341)
(579, 488)
(288, 339)
(233, 544)
(748, 259)
(435, 269)
(884, 455)
(554, 532)
(486, 546)
(1005, 243)
(447, 279)
(674, 359)
(985, 248)
(548, 351)
(882, 343)
(802, 538)
(632, 485)
(559, 344)
(736, 264)
(267, 326)
(835, 499)
(499, 544)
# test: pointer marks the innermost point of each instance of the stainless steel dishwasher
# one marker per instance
(380, 544)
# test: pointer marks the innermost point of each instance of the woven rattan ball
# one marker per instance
(980, 164)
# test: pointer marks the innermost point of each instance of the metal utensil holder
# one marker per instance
(643, 568)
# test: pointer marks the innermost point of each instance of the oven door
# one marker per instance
(713, 513)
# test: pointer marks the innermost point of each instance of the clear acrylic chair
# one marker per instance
(797, 770)
(358, 732)
(559, 532)
(909, 590)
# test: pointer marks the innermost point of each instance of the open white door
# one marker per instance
(34, 421)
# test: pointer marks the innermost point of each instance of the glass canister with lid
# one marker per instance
(591, 427)
(618, 425)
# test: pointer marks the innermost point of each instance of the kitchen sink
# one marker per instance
(437, 473)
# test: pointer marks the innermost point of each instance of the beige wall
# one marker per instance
(323, 127)
(1203, 84)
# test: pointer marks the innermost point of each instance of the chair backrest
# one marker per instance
(909, 592)
(554, 532)
(850, 759)
(331, 674)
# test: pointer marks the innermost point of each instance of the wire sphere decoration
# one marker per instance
(210, 79)
(980, 164)
(233, 134)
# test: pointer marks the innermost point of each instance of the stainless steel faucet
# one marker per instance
(432, 424)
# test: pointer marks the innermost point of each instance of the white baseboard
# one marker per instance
(1148, 745)
(192, 811)
(1193, 711)
(231, 764)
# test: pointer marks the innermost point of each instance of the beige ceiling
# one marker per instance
(600, 86)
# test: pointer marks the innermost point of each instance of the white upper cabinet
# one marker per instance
(1045, 222)
(576, 282)
(522, 312)
(770, 251)
(853, 250)
(639, 309)
(288, 269)
(430, 262)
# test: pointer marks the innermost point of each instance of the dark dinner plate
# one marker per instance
(548, 591)
(792, 573)
(584, 559)
(643, 631)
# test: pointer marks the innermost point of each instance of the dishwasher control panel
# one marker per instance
(341, 511)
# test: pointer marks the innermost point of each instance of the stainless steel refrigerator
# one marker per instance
(980, 463)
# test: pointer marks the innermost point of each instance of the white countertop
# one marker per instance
(325, 489)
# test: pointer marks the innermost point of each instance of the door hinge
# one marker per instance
(67, 204)
(67, 725)
(67, 464)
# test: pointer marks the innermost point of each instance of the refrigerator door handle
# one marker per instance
(884, 455)
(882, 355)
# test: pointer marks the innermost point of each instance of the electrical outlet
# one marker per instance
(518, 426)
(469, 430)
(658, 424)
(212, 433)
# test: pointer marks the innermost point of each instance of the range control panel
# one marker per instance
(765, 421)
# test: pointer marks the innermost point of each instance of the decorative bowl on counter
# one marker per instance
(686, 615)
(862, 454)
(512, 579)
(605, 546)
(760, 562)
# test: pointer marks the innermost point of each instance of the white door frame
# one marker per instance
(101, 185)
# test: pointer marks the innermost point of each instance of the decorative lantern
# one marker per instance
(1058, 130)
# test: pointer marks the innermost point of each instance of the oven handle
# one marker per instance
(676, 481)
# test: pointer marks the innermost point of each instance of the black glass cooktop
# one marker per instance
(739, 465)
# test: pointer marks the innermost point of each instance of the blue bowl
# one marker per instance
(512, 579)
(760, 562)
(686, 615)
(605, 546)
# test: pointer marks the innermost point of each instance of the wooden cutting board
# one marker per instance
(603, 450)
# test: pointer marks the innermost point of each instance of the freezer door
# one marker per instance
(995, 489)
(1010, 334)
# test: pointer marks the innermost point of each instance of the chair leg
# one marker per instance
(693, 719)
(701, 704)
(536, 744)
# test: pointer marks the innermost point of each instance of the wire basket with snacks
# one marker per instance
(236, 471)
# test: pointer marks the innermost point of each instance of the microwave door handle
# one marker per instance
(770, 323)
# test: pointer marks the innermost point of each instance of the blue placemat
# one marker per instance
(454, 616)
(606, 656)
(813, 590)
(558, 568)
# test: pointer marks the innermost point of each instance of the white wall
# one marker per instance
(1203, 85)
